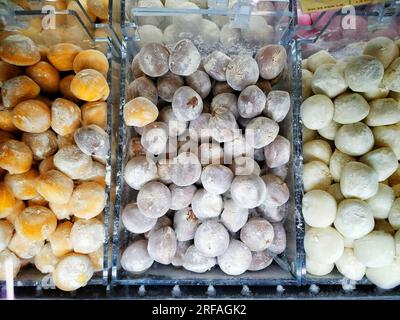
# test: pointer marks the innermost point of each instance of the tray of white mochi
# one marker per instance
(206, 156)
(351, 175)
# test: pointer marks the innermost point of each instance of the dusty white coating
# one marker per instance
(23, 248)
(278, 245)
(225, 100)
(184, 58)
(72, 161)
(181, 248)
(277, 192)
(135, 221)
(260, 260)
(45, 261)
(135, 258)
(138, 171)
(216, 178)
(211, 238)
(154, 199)
(244, 166)
(155, 137)
(200, 82)
(236, 259)
(197, 262)
(251, 102)
(319, 208)
(261, 131)
(210, 153)
(185, 169)
(215, 65)
(277, 105)
(257, 234)
(73, 272)
(185, 224)
(223, 125)
(87, 235)
(233, 217)
(241, 72)
(206, 205)
(181, 197)
(248, 191)
(354, 218)
(162, 245)
(277, 153)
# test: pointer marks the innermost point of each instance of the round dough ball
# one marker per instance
(60, 239)
(243, 166)
(328, 132)
(354, 139)
(135, 221)
(358, 181)
(316, 175)
(317, 150)
(139, 112)
(335, 192)
(154, 199)
(181, 249)
(319, 208)
(375, 250)
(162, 245)
(87, 235)
(88, 200)
(363, 73)
(329, 80)
(241, 72)
(271, 61)
(319, 58)
(234, 217)
(383, 160)
(248, 191)
(383, 112)
(387, 277)
(277, 153)
(350, 108)
(318, 269)
(317, 112)
(308, 134)
(306, 77)
(211, 238)
(24, 248)
(257, 234)
(36, 223)
(337, 162)
(73, 272)
(45, 261)
(354, 218)
(278, 245)
(184, 58)
(185, 224)
(148, 34)
(153, 59)
(277, 191)
(261, 260)
(206, 205)
(383, 49)
(378, 93)
(392, 76)
(216, 178)
(185, 169)
(382, 202)
(181, 197)
(72, 161)
(349, 266)
(135, 258)
(139, 171)
(197, 262)
(387, 136)
(394, 214)
(323, 245)
(236, 259)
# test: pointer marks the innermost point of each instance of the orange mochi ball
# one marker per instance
(19, 50)
(65, 116)
(23, 185)
(36, 223)
(15, 156)
(55, 186)
(90, 85)
(88, 200)
(32, 116)
(62, 56)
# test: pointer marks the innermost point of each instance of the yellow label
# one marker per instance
(308, 6)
